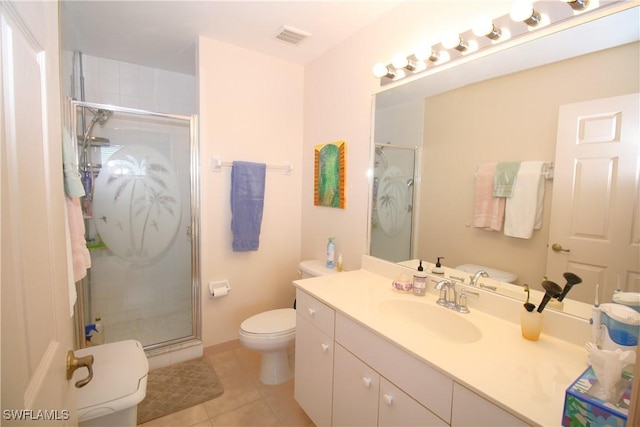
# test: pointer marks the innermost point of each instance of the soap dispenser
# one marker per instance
(438, 268)
(419, 281)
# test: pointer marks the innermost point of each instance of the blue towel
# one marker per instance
(247, 201)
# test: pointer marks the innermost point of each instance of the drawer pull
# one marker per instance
(312, 311)
(388, 399)
(325, 347)
(366, 382)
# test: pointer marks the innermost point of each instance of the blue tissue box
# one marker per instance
(582, 409)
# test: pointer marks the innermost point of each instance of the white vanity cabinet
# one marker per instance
(348, 375)
(314, 358)
(469, 409)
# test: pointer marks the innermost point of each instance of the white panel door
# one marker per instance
(595, 214)
(37, 329)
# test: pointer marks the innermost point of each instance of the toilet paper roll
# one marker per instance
(219, 292)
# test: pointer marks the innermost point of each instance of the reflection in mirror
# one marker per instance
(509, 118)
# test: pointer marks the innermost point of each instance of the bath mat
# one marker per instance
(176, 387)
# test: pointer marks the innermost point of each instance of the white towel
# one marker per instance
(523, 210)
(78, 257)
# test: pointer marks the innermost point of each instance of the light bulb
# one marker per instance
(399, 61)
(422, 53)
(482, 26)
(451, 40)
(382, 70)
(523, 11)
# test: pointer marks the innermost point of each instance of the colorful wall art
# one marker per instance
(329, 177)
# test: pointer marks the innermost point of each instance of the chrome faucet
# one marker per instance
(476, 277)
(448, 297)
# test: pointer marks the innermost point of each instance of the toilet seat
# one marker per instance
(274, 323)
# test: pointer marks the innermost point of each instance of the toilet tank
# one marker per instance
(494, 273)
(313, 268)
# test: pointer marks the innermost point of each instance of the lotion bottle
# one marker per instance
(420, 281)
(438, 268)
(331, 253)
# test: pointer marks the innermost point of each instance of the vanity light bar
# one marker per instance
(523, 18)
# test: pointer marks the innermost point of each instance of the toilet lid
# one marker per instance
(271, 322)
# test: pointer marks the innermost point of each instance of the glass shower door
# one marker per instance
(140, 223)
(392, 202)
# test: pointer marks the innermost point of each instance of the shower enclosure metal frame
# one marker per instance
(78, 107)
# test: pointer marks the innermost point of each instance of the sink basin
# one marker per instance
(447, 324)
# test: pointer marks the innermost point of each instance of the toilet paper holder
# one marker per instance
(219, 288)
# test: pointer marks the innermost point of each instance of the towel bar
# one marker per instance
(217, 164)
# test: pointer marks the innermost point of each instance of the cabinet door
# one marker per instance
(355, 391)
(396, 408)
(313, 372)
(469, 409)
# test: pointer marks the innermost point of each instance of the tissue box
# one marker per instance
(582, 409)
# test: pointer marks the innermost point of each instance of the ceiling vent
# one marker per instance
(291, 35)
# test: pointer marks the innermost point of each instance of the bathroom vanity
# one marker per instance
(367, 354)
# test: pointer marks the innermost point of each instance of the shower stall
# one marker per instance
(140, 174)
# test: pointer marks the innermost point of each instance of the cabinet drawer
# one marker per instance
(397, 408)
(315, 312)
(429, 387)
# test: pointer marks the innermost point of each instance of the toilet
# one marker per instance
(119, 383)
(272, 332)
(494, 273)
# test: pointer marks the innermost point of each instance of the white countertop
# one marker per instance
(526, 378)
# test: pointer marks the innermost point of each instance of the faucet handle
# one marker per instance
(462, 303)
(462, 300)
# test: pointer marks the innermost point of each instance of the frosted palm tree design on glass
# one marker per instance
(137, 203)
(392, 201)
(141, 177)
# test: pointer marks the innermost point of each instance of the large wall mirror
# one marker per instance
(505, 107)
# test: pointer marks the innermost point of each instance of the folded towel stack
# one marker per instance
(247, 202)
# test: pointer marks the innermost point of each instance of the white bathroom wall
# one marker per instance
(251, 109)
(338, 93)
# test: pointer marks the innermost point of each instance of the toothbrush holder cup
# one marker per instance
(531, 324)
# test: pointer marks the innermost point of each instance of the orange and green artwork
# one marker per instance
(329, 176)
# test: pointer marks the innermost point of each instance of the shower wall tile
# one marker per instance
(129, 80)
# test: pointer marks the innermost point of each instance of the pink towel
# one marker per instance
(488, 211)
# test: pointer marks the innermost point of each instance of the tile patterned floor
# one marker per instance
(245, 402)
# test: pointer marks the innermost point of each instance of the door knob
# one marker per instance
(557, 247)
(74, 363)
